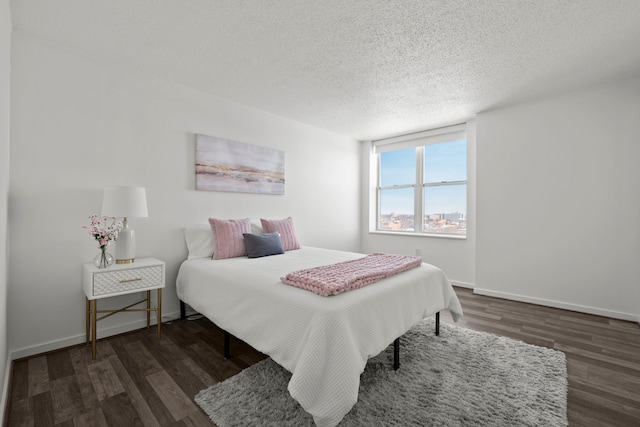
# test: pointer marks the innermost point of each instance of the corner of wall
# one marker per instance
(5, 84)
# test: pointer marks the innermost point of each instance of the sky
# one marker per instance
(214, 150)
(443, 162)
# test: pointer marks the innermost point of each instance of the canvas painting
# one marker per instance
(225, 165)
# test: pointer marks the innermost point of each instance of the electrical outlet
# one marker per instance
(418, 252)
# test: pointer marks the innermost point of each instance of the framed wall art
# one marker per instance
(226, 165)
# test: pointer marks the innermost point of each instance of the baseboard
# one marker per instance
(462, 284)
(80, 339)
(558, 304)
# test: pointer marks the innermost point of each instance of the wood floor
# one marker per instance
(139, 381)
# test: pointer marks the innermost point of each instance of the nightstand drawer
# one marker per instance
(111, 282)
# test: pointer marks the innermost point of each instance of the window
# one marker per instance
(422, 182)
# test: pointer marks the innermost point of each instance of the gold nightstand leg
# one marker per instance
(148, 308)
(94, 332)
(87, 320)
(159, 312)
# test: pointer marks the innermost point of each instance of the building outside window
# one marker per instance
(422, 183)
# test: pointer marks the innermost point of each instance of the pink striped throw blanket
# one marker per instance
(344, 276)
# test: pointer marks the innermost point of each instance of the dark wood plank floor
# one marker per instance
(139, 381)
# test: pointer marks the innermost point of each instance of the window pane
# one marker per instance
(396, 210)
(446, 161)
(445, 209)
(398, 167)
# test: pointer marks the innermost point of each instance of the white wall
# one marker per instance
(78, 126)
(5, 68)
(456, 257)
(558, 201)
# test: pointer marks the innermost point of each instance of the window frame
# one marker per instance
(418, 142)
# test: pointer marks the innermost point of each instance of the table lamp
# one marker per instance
(125, 202)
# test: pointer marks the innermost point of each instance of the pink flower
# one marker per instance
(103, 233)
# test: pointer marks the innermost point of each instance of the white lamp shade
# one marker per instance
(121, 202)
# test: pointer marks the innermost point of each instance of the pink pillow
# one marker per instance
(228, 238)
(286, 230)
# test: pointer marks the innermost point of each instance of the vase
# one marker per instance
(103, 259)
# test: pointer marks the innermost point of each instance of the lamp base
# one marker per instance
(125, 244)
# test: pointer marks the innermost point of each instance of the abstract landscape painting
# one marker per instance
(225, 165)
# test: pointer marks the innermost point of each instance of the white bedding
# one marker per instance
(323, 341)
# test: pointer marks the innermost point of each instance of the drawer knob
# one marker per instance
(130, 280)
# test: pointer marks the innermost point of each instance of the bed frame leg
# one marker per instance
(226, 345)
(183, 310)
(396, 345)
(396, 354)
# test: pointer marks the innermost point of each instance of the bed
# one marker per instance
(324, 342)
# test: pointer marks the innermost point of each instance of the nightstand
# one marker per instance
(145, 274)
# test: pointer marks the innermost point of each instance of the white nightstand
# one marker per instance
(145, 274)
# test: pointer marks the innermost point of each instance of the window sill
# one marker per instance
(413, 234)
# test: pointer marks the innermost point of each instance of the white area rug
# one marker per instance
(460, 378)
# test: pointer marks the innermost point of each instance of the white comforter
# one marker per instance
(323, 341)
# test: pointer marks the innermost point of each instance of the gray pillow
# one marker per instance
(259, 245)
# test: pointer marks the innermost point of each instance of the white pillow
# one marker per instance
(199, 238)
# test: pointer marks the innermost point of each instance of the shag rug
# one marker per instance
(460, 378)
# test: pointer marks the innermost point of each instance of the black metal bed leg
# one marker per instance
(437, 323)
(183, 310)
(226, 345)
(396, 354)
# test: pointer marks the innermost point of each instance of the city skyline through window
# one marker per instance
(443, 188)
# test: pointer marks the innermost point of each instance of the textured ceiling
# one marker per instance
(365, 69)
